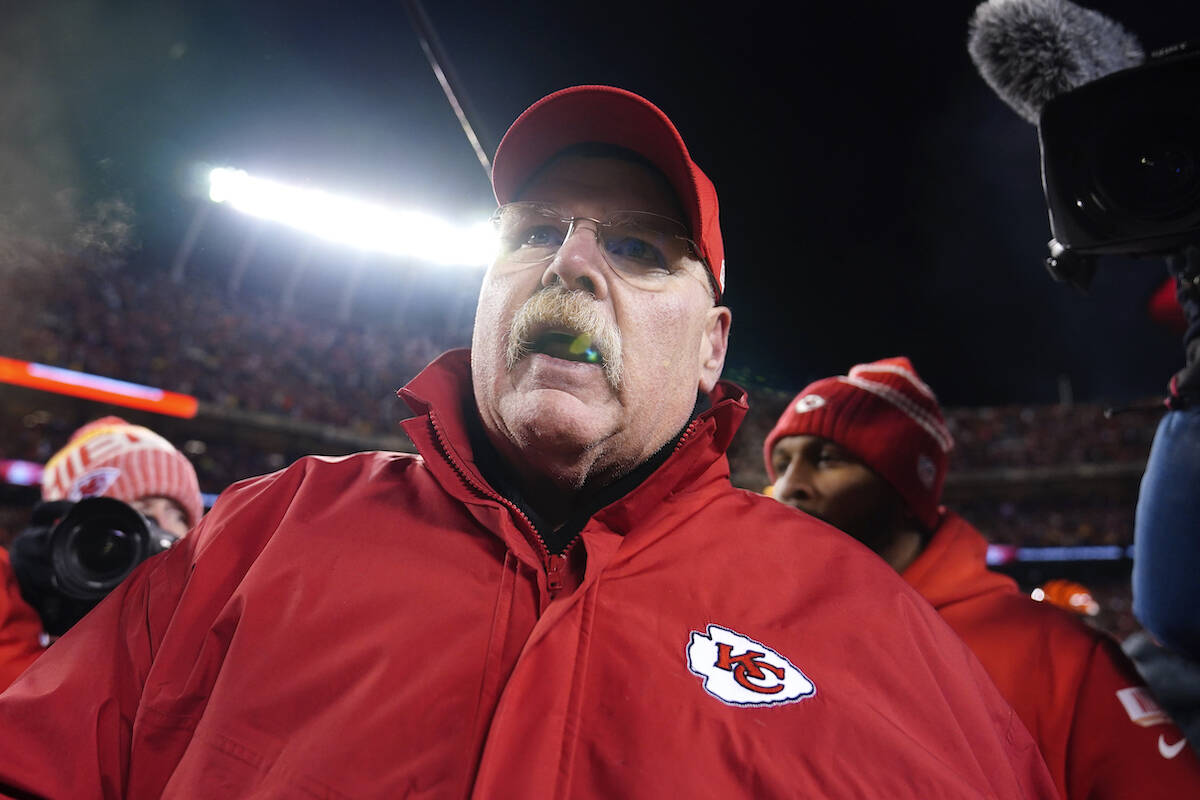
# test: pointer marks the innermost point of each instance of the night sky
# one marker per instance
(877, 198)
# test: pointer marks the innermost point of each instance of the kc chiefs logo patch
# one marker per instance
(742, 672)
(94, 483)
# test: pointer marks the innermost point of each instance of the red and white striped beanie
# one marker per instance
(112, 458)
(885, 415)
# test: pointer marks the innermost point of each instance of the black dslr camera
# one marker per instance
(74, 554)
(1121, 165)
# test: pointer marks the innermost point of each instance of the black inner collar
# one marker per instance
(500, 477)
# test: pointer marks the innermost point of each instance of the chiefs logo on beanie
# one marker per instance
(888, 418)
(112, 458)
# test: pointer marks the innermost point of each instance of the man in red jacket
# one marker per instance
(561, 596)
(867, 452)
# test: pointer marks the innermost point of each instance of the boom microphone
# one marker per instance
(1031, 51)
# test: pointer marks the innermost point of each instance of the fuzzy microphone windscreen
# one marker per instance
(1031, 51)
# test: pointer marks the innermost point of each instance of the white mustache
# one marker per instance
(570, 310)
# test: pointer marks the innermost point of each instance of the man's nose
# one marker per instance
(579, 262)
(795, 486)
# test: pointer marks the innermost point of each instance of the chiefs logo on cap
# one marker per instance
(810, 402)
(742, 672)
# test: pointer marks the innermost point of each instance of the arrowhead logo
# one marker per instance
(94, 483)
(810, 402)
(742, 672)
(1169, 751)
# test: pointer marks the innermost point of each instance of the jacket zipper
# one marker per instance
(686, 433)
(555, 565)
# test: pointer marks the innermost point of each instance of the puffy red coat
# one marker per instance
(1097, 725)
(386, 625)
(20, 628)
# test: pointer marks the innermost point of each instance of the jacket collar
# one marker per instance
(443, 400)
(953, 566)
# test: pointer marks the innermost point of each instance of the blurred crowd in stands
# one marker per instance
(243, 352)
(1058, 520)
(219, 460)
(1047, 436)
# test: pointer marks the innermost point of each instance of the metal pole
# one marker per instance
(443, 70)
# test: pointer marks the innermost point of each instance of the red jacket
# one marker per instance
(386, 625)
(1097, 726)
(20, 628)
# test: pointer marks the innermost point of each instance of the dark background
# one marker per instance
(877, 198)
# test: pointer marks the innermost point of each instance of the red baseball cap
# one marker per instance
(609, 115)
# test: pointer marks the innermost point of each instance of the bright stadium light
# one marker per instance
(412, 234)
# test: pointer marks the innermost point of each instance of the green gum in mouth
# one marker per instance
(582, 345)
(568, 346)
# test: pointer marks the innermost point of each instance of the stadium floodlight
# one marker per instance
(412, 234)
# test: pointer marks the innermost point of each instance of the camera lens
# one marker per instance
(105, 551)
(1150, 169)
(96, 545)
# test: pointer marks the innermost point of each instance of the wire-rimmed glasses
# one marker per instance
(643, 248)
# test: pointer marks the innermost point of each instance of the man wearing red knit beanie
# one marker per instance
(867, 452)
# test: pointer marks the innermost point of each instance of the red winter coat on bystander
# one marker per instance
(1097, 725)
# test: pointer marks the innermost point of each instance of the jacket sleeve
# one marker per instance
(1122, 743)
(1166, 541)
(66, 725)
(20, 628)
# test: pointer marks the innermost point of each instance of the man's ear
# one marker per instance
(714, 346)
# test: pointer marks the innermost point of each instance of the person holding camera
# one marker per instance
(114, 495)
(868, 452)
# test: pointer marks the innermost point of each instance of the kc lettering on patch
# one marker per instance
(739, 671)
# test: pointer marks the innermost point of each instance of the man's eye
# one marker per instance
(635, 250)
(539, 236)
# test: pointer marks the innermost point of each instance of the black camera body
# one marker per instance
(1121, 164)
(74, 554)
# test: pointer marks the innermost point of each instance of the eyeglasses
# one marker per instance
(643, 248)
